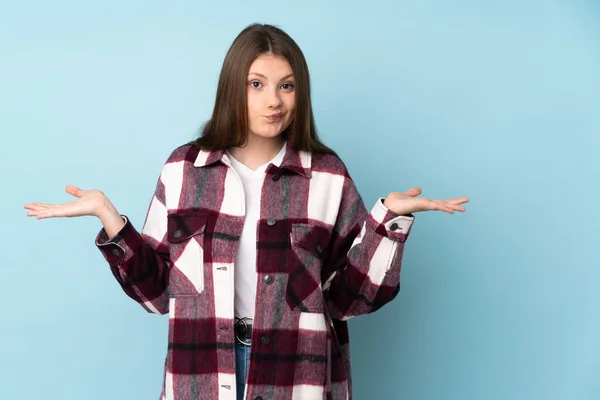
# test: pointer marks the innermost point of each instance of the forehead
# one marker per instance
(270, 66)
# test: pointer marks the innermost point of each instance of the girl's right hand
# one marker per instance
(88, 202)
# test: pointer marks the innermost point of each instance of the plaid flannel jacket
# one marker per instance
(322, 258)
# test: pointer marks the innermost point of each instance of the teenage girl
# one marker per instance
(256, 241)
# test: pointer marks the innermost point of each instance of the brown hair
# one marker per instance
(228, 125)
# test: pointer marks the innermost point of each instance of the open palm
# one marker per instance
(88, 202)
(405, 203)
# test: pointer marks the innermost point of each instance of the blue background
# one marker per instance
(495, 100)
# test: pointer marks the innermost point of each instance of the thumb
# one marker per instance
(74, 191)
(414, 192)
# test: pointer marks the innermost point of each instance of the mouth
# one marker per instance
(274, 117)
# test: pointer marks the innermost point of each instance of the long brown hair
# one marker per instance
(228, 125)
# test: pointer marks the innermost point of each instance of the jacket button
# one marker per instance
(271, 222)
(269, 279)
(394, 227)
(276, 177)
(177, 233)
(258, 398)
(116, 252)
(265, 340)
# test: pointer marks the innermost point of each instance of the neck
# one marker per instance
(258, 151)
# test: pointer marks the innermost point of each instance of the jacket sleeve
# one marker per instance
(362, 272)
(140, 260)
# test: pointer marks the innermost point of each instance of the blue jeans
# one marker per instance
(242, 360)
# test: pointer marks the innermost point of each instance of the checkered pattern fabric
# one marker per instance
(322, 258)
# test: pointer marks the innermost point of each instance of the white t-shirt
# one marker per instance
(245, 258)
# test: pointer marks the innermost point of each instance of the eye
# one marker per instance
(255, 84)
(287, 86)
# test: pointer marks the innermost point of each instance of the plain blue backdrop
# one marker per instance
(495, 100)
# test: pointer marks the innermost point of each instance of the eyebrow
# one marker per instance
(264, 77)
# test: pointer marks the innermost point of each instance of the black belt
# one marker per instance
(242, 330)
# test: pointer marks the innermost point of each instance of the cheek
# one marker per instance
(290, 104)
(253, 103)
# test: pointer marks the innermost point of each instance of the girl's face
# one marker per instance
(271, 96)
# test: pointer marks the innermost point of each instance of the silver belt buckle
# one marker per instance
(243, 321)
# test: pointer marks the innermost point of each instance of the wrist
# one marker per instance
(107, 211)
(385, 202)
(395, 205)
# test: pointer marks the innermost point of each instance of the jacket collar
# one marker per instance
(294, 160)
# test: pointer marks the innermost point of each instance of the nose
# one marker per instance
(274, 100)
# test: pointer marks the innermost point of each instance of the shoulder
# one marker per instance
(179, 162)
(329, 163)
(185, 153)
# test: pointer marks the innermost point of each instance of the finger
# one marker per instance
(42, 216)
(449, 203)
(440, 206)
(55, 210)
(74, 191)
(51, 213)
(37, 213)
(452, 202)
(458, 200)
(42, 206)
(35, 206)
(456, 207)
(413, 192)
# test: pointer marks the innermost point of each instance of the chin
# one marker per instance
(267, 133)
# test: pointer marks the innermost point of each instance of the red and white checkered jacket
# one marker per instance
(322, 258)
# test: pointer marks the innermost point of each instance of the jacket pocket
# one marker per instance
(185, 235)
(309, 248)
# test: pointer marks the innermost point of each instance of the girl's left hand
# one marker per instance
(407, 203)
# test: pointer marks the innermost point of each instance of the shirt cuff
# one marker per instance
(389, 224)
(116, 250)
